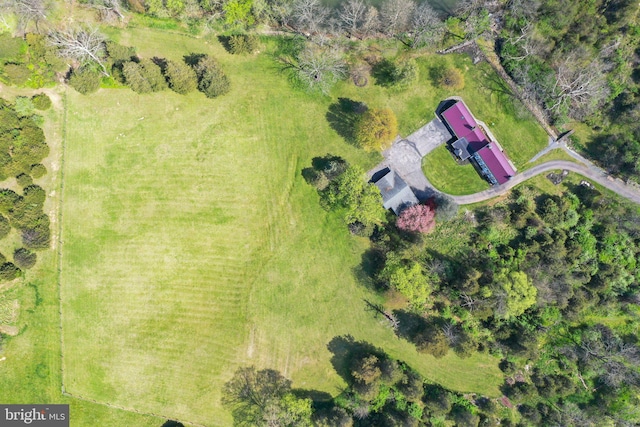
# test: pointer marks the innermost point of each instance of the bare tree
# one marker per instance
(309, 15)
(108, 9)
(578, 87)
(351, 15)
(426, 26)
(318, 67)
(26, 11)
(523, 9)
(80, 44)
(395, 16)
(452, 333)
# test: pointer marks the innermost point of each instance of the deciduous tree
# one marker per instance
(85, 45)
(376, 129)
(417, 219)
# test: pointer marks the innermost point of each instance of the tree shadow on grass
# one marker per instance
(410, 325)
(372, 262)
(171, 423)
(343, 115)
(383, 71)
(346, 350)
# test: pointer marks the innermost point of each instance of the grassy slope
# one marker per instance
(31, 371)
(447, 175)
(193, 246)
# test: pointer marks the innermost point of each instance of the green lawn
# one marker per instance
(448, 176)
(485, 94)
(556, 154)
(31, 369)
(192, 245)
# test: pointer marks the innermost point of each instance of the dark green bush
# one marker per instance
(119, 54)
(243, 43)
(85, 80)
(212, 81)
(24, 180)
(24, 258)
(37, 237)
(144, 77)
(34, 194)
(41, 101)
(38, 170)
(182, 79)
(8, 271)
(5, 228)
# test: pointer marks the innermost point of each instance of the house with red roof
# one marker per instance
(473, 143)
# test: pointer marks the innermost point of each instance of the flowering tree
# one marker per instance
(417, 218)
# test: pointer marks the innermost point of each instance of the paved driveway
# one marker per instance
(405, 156)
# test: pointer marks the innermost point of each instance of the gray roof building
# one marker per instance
(396, 194)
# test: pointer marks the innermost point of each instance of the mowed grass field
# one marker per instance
(192, 245)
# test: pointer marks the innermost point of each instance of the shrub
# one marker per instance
(376, 129)
(212, 81)
(24, 107)
(38, 170)
(448, 77)
(5, 228)
(85, 80)
(182, 79)
(400, 72)
(36, 238)
(41, 101)
(119, 54)
(242, 43)
(144, 77)
(417, 219)
(8, 271)
(24, 180)
(34, 194)
(17, 74)
(11, 48)
(24, 258)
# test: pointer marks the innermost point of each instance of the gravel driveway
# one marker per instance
(405, 156)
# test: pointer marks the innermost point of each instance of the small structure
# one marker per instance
(473, 143)
(396, 194)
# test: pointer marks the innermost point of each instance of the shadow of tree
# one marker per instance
(171, 423)
(383, 71)
(193, 58)
(346, 350)
(343, 115)
(410, 325)
(372, 262)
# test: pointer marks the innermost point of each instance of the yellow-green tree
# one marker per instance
(376, 129)
(516, 293)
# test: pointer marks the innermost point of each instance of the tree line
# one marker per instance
(381, 391)
(22, 149)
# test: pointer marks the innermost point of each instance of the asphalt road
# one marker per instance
(405, 158)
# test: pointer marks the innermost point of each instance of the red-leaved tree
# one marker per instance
(417, 218)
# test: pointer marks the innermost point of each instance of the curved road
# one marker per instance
(594, 174)
(405, 158)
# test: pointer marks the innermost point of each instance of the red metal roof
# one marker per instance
(497, 163)
(459, 119)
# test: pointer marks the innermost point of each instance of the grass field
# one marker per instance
(192, 245)
(448, 176)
